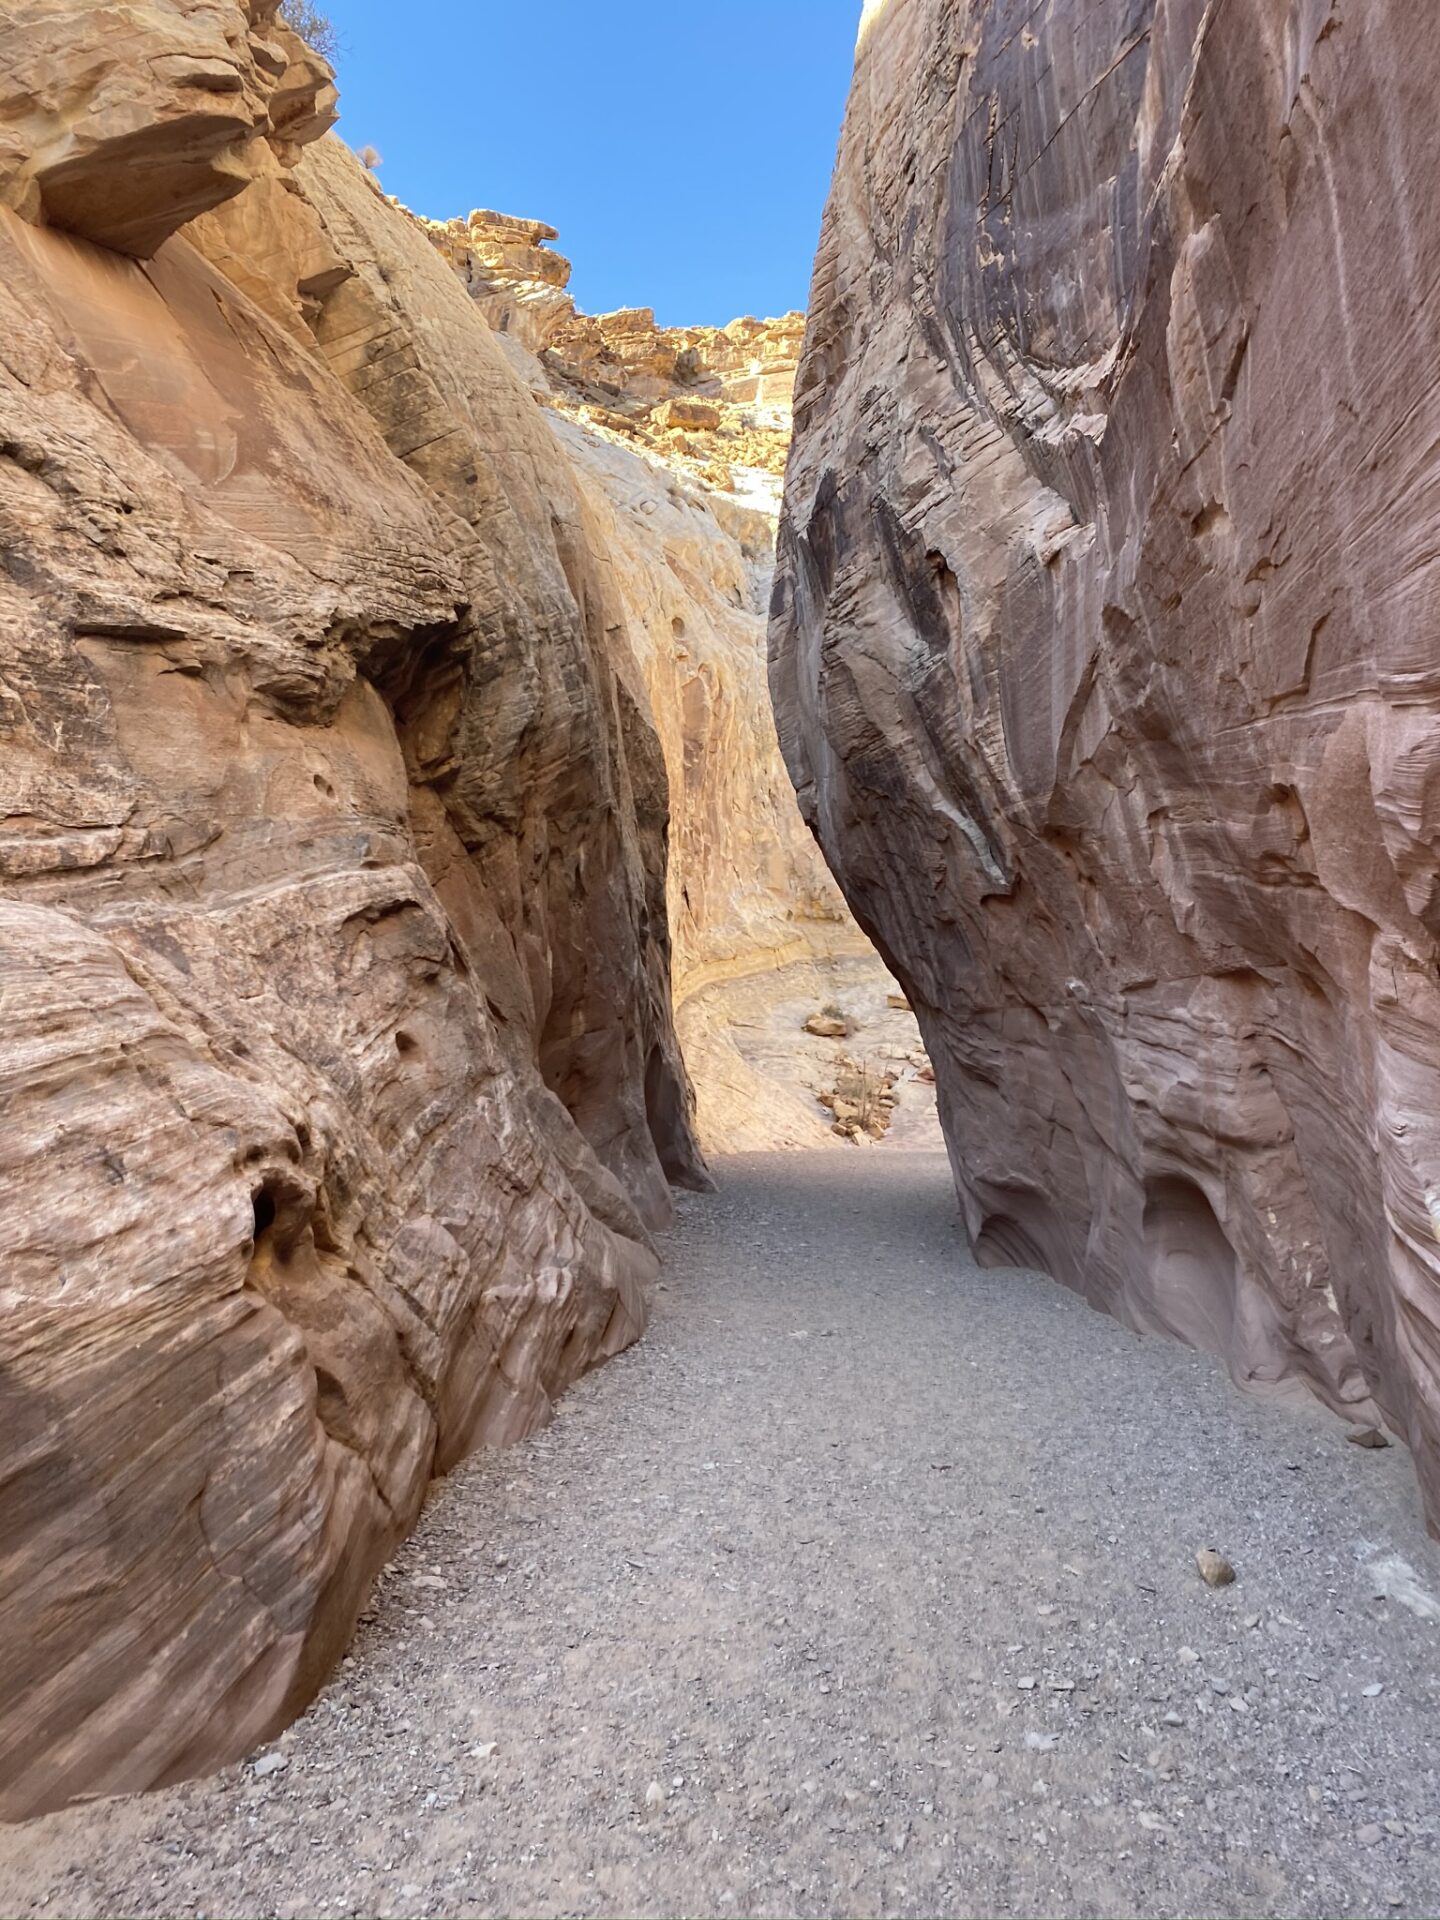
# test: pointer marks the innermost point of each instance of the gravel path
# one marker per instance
(864, 1585)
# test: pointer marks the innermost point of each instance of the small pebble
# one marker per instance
(1215, 1569)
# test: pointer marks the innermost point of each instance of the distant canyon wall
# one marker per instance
(339, 1078)
(1104, 648)
(677, 439)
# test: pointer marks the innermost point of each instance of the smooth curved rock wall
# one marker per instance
(337, 1070)
(1104, 648)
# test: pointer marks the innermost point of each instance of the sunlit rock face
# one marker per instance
(676, 438)
(122, 119)
(337, 1074)
(1104, 648)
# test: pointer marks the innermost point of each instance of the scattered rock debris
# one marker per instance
(863, 1100)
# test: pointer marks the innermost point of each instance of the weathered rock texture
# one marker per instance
(710, 399)
(681, 526)
(337, 1073)
(1104, 648)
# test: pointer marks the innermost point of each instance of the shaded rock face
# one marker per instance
(1103, 648)
(337, 1069)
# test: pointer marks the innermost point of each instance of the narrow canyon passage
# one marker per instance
(864, 1583)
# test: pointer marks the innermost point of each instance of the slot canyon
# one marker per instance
(720, 1077)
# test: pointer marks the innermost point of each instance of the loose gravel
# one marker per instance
(866, 1584)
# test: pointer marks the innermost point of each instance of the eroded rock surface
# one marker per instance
(714, 401)
(1104, 648)
(338, 1074)
(124, 119)
(679, 471)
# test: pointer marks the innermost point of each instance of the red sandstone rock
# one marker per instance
(337, 1068)
(1104, 649)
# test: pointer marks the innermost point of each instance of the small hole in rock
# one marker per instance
(405, 1042)
(264, 1206)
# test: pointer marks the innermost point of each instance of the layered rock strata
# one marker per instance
(1104, 648)
(712, 400)
(338, 1076)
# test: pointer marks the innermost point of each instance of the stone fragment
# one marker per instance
(691, 415)
(827, 1026)
(1215, 1569)
(1370, 1437)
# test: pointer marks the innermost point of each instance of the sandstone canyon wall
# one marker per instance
(677, 439)
(338, 1076)
(1104, 647)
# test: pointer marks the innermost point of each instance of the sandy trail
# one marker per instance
(864, 1585)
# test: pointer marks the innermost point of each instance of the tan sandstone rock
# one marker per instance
(123, 119)
(683, 529)
(690, 416)
(1104, 649)
(726, 388)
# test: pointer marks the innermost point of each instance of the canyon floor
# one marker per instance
(864, 1584)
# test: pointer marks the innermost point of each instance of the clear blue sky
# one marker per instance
(683, 150)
